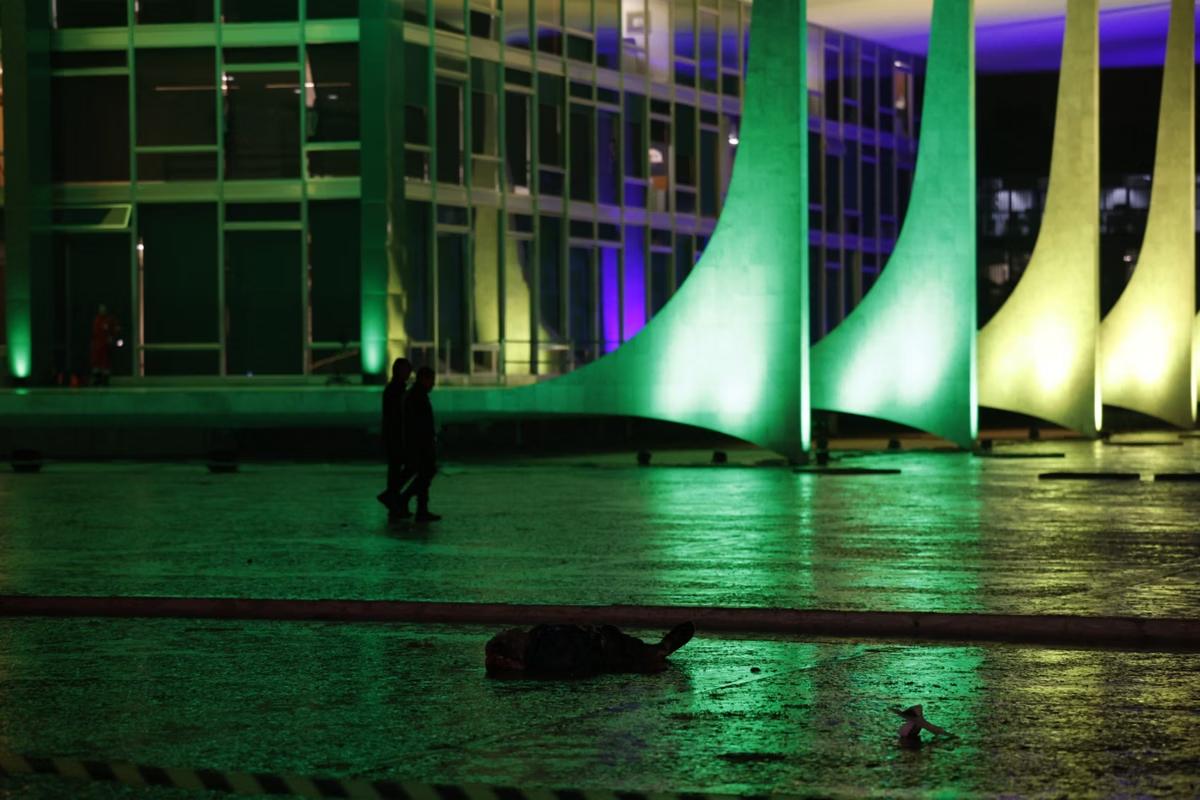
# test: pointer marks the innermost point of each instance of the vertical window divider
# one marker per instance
(219, 77)
(305, 266)
(468, 159)
(431, 274)
(502, 183)
(535, 184)
(135, 300)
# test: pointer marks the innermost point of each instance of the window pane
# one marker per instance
(414, 12)
(660, 288)
(263, 302)
(516, 123)
(550, 133)
(89, 270)
(608, 33)
(448, 16)
(583, 155)
(608, 157)
(179, 274)
(333, 163)
(449, 133)
(709, 65)
(583, 305)
(549, 11)
(685, 29)
(99, 106)
(730, 36)
(177, 166)
(634, 301)
(152, 12)
(260, 10)
(549, 261)
(90, 13)
(176, 96)
(635, 129)
(516, 24)
(333, 101)
(326, 9)
(454, 337)
(685, 145)
(262, 124)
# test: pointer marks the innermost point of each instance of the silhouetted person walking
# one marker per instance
(393, 436)
(420, 444)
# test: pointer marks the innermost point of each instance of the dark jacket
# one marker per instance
(419, 434)
(393, 418)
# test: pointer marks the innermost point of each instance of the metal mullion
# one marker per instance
(326, 147)
(90, 72)
(179, 346)
(219, 61)
(877, 146)
(502, 227)
(564, 245)
(468, 156)
(856, 283)
(266, 66)
(841, 179)
(305, 266)
(621, 177)
(535, 180)
(823, 315)
(174, 148)
(134, 271)
(431, 270)
(278, 225)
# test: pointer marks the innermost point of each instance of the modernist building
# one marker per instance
(536, 177)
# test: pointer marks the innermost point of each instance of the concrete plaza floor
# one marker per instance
(952, 532)
(738, 715)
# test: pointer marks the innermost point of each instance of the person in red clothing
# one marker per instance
(105, 330)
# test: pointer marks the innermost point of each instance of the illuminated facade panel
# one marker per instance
(503, 191)
(1146, 340)
(1038, 354)
(906, 353)
(729, 351)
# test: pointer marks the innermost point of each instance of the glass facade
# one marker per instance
(563, 167)
(1010, 216)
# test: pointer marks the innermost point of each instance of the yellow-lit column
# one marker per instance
(1038, 354)
(1146, 341)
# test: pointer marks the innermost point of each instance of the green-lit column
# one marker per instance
(26, 25)
(907, 351)
(1146, 340)
(729, 351)
(1038, 355)
(374, 69)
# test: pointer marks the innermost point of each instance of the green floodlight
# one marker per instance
(729, 351)
(1146, 341)
(906, 353)
(1038, 355)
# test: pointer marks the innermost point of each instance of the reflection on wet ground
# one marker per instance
(953, 532)
(412, 703)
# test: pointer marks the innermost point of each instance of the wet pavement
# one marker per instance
(953, 532)
(741, 715)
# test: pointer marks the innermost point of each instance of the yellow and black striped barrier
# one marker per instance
(266, 783)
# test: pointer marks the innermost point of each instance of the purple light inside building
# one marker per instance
(1129, 37)
(635, 283)
(610, 296)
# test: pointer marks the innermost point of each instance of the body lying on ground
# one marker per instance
(576, 650)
